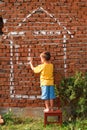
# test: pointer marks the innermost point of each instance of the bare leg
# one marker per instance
(51, 104)
(47, 104)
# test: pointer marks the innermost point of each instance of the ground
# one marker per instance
(32, 124)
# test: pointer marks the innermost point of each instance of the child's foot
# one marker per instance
(51, 109)
(46, 110)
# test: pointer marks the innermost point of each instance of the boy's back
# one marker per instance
(46, 75)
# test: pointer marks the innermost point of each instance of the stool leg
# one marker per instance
(60, 119)
(45, 120)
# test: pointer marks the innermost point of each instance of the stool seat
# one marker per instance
(53, 112)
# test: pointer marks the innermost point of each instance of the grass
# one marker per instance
(32, 124)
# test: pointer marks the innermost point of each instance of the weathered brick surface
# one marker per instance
(42, 30)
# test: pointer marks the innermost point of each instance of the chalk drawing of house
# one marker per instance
(36, 33)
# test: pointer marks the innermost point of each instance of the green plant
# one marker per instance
(73, 93)
(56, 90)
(8, 117)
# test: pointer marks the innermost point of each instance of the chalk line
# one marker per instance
(12, 91)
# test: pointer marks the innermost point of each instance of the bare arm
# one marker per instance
(36, 69)
(31, 64)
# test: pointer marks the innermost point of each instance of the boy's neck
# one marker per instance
(46, 62)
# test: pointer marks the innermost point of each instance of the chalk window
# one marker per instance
(1, 25)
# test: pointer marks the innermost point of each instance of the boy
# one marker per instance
(46, 79)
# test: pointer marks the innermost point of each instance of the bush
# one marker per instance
(73, 92)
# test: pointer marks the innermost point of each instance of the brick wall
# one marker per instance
(31, 27)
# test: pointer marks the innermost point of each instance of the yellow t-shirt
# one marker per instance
(46, 74)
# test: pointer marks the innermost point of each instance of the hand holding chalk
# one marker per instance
(30, 60)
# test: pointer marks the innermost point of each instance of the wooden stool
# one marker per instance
(57, 113)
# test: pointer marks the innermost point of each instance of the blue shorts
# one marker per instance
(48, 92)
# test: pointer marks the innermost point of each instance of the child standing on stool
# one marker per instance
(46, 79)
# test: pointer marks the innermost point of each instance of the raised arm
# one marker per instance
(31, 63)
